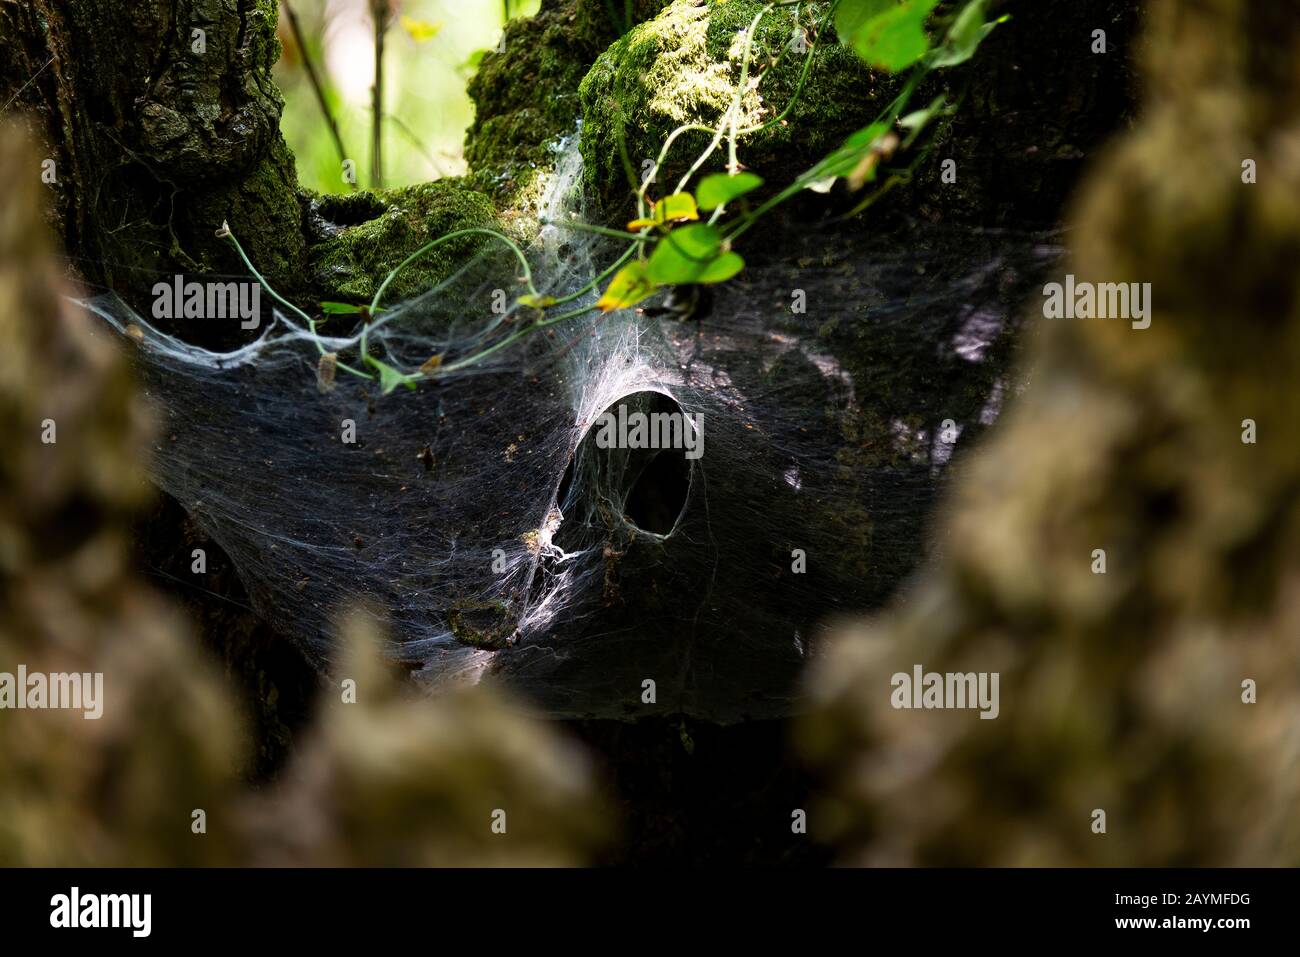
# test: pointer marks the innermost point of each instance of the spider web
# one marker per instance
(478, 519)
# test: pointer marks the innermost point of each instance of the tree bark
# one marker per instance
(162, 121)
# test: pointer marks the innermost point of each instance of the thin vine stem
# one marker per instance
(434, 244)
(733, 112)
(512, 338)
(425, 250)
(597, 280)
(728, 127)
(887, 118)
(225, 232)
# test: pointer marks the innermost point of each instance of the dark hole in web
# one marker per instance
(646, 488)
(659, 493)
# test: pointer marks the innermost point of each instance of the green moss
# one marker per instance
(365, 235)
(527, 94)
(265, 49)
(683, 67)
(263, 208)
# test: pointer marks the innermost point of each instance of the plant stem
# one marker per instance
(733, 164)
(311, 323)
(379, 13)
(597, 280)
(888, 117)
(434, 244)
(581, 227)
(314, 78)
(262, 279)
(803, 79)
(514, 337)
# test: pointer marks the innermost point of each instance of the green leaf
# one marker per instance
(722, 268)
(682, 255)
(678, 206)
(856, 159)
(964, 35)
(888, 34)
(340, 308)
(692, 254)
(865, 138)
(845, 159)
(916, 122)
(537, 301)
(718, 189)
(674, 208)
(628, 287)
(389, 378)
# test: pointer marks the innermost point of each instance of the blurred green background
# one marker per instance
(431, 49)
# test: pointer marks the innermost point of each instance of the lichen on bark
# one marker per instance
(683, 67)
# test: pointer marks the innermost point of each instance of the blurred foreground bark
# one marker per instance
(385, 778)
(120, 789)
(1124, 692)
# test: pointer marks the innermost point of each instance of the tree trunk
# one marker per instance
(161, 119)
